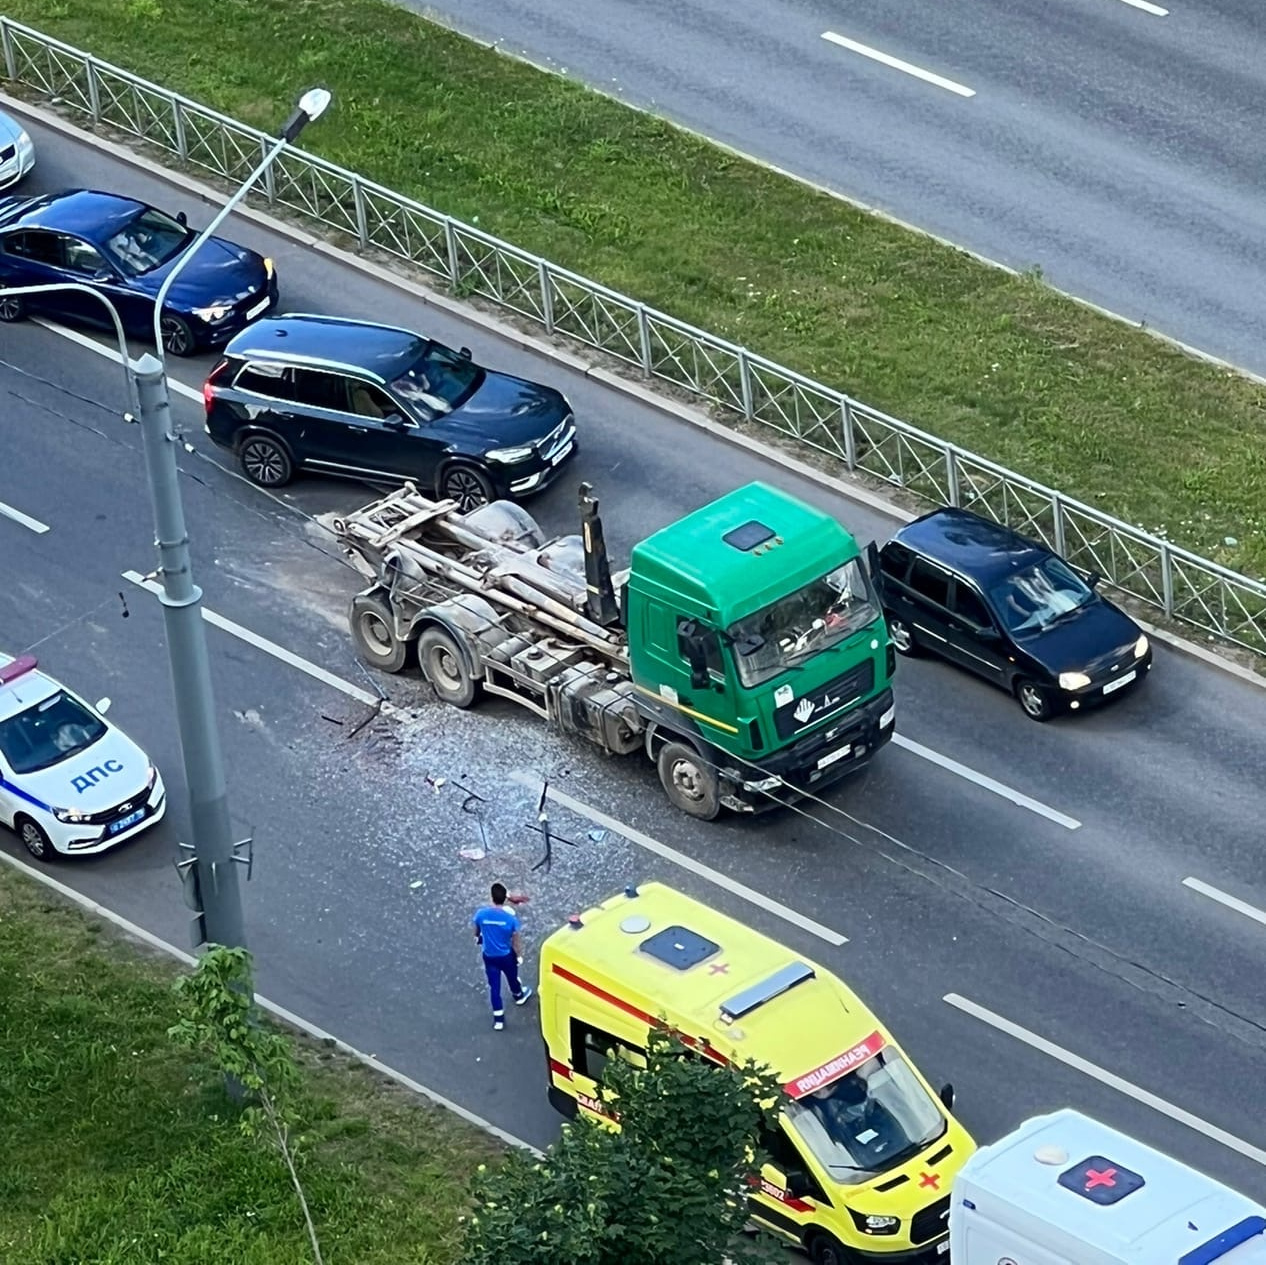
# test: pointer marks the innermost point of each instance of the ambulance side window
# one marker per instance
(591, 1048)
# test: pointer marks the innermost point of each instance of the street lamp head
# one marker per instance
(311, 106)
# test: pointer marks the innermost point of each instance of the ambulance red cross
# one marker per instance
(71, 783)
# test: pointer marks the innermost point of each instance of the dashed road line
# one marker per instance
(896, 63)
(1231, 902)
(1104, 1077)
(268, 647)
(987, 783)
(642, 840)
(25, 520)
(1154, 9)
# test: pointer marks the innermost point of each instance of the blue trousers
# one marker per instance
(494, 968)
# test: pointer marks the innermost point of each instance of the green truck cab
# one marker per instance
(755, 630)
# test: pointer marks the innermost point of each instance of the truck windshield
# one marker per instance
(869, 1121)
(48, 733)
(819, 615)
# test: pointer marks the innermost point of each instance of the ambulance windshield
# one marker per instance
(872, 1120)
(48, 733)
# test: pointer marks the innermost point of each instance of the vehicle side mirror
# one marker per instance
(947, 1096)
(692, 645)
(182, 219)
(1093, 580)
(465, 353)
(103, 706)
(799, 1185)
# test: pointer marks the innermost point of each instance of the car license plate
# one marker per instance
(561, 453)
(253, 312)
(1120, 681)
(124, 822)
(831, 757)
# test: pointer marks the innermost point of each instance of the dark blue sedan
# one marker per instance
(125, 250)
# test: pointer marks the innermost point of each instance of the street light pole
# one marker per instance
(211, 875)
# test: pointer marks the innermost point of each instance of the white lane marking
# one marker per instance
(111, 353)
(635, 836)
(897, 64)
(268, 647)
(983, 780)
(1154, 9)
(1231, 902)
(32, 524)
(287, 1016)
(1075, 1061)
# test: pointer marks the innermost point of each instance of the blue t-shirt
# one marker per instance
(497, 925)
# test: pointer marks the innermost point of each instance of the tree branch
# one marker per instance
(283, 1146)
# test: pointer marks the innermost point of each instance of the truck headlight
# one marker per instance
(214, 312)
(69, 815)
(876, 1222)
(508, 456)
(1073, 680)
(1141, 645)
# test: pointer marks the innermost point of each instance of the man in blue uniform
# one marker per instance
(497, 934)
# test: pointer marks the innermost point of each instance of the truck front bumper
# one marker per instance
(813, 764)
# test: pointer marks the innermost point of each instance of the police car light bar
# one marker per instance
(19, 667)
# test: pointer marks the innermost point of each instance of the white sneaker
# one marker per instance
(498, 1022)
(523, 996)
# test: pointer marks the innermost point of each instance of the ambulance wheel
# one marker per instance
(374, 632)
(35, 840)
(688, 781)
(823, 1249)
(445, 667)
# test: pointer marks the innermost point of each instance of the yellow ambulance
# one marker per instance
(864, 1153)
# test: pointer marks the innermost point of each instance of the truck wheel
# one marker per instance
(823, 1249)
(446, 669)
(373, 631)
(688, 781)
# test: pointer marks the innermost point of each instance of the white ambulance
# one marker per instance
(70, 781)
(1065, 1190)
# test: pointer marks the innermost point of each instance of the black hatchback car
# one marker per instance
(1010, 610)
(378, 403)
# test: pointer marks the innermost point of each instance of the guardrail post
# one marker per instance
(951, 475)
(362, 218)
(644, 335)
(450, 241)
(178, 126)
(1167, 582)
(94, 90)
(270, 185)
(1057, 523)
(547, 294)
(10, 61)
(745, 384)
(848, 433)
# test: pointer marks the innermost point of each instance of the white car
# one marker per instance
(17, 152)
(70, 782)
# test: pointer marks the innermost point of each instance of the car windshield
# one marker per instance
(1033, 599)
(812, 618)
(872, 1120)
(48, 733)
(147, 241)
(439, 381)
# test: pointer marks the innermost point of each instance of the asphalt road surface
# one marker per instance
(1118, 149)
(1063, 915)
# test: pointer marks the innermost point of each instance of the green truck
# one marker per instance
(743, 650)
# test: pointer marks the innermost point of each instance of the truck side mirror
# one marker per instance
(872, 564)
(947, 1096)
(799, 1185)
(691, 639)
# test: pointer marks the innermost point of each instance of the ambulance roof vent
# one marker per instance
(777, 984)
(635, 924)
(679, 947)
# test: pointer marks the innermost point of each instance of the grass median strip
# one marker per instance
(117, 1149)
(1000, 364)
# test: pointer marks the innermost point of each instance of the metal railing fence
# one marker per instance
(1179, 583)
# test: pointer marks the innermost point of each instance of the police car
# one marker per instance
(70, 782)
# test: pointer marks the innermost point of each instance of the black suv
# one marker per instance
(374, 402)
(1010, 610)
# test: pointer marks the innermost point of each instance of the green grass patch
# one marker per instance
(999, 364)
(118, 1151)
